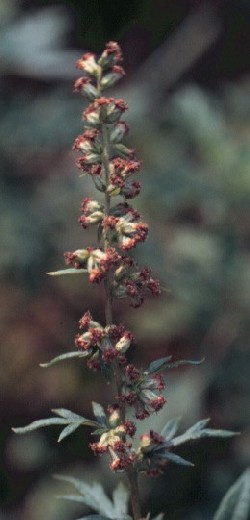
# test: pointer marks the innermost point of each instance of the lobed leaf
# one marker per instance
(72, 420)
(236, 503)
(197, 431)
(71, 270)
(91, 495)
(62, 357)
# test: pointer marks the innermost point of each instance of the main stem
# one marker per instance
(131, 472)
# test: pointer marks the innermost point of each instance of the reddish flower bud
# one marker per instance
(86, 88)
(88, 64)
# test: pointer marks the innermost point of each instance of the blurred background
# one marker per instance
(188, 90)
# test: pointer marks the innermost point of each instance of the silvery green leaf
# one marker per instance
(99, 413)
(40, 424)
(160, 364)
(67, 414)
(197, 431)
(68, 430)
(120, 500)
(71, 270)
(176, 458)
(62, 357)
(170, 428)
(236, 503)
(157, 364)
(92, 495)
(181, 362)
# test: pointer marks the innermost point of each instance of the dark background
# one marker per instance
(188, 89)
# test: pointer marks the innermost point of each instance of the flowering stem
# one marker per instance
(131, 472)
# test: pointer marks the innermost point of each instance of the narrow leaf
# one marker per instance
(40, 424)
(67, 414)
(68, 271)
(236, 503)
(62, 357)
(176, 458)
(181, 362)
(157, 364)
(99, 413)
(170, 428)
(68, 430)
(209, 432)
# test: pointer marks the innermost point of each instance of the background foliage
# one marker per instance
(188, 92)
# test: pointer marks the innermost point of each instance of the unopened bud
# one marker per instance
(118, 132)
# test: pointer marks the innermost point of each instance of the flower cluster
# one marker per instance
(126, 227)
(132, 284)
(97, 262)
(113, 440)
(142, 391)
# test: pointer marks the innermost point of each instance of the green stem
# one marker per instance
(134, 492)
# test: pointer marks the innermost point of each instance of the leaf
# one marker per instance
(91, 495)
(181, 362)
(72, 420)
(160, 364)
(157, 364)
(68, 430)
(67, 271)
(176, 458)
(62, 357)
(120, 500)
(67, 414)
(74, 417)
(39, 424)
(236, 503)
(170, 428)
(197, 431)
(99, 413)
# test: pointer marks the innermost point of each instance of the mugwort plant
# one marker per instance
(114, 168)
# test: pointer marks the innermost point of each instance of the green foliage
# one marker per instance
(62, 357)
(94, 497)
(236, 503)
(158, 452)
(162, 364)
(72, 420)
(71, 270)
